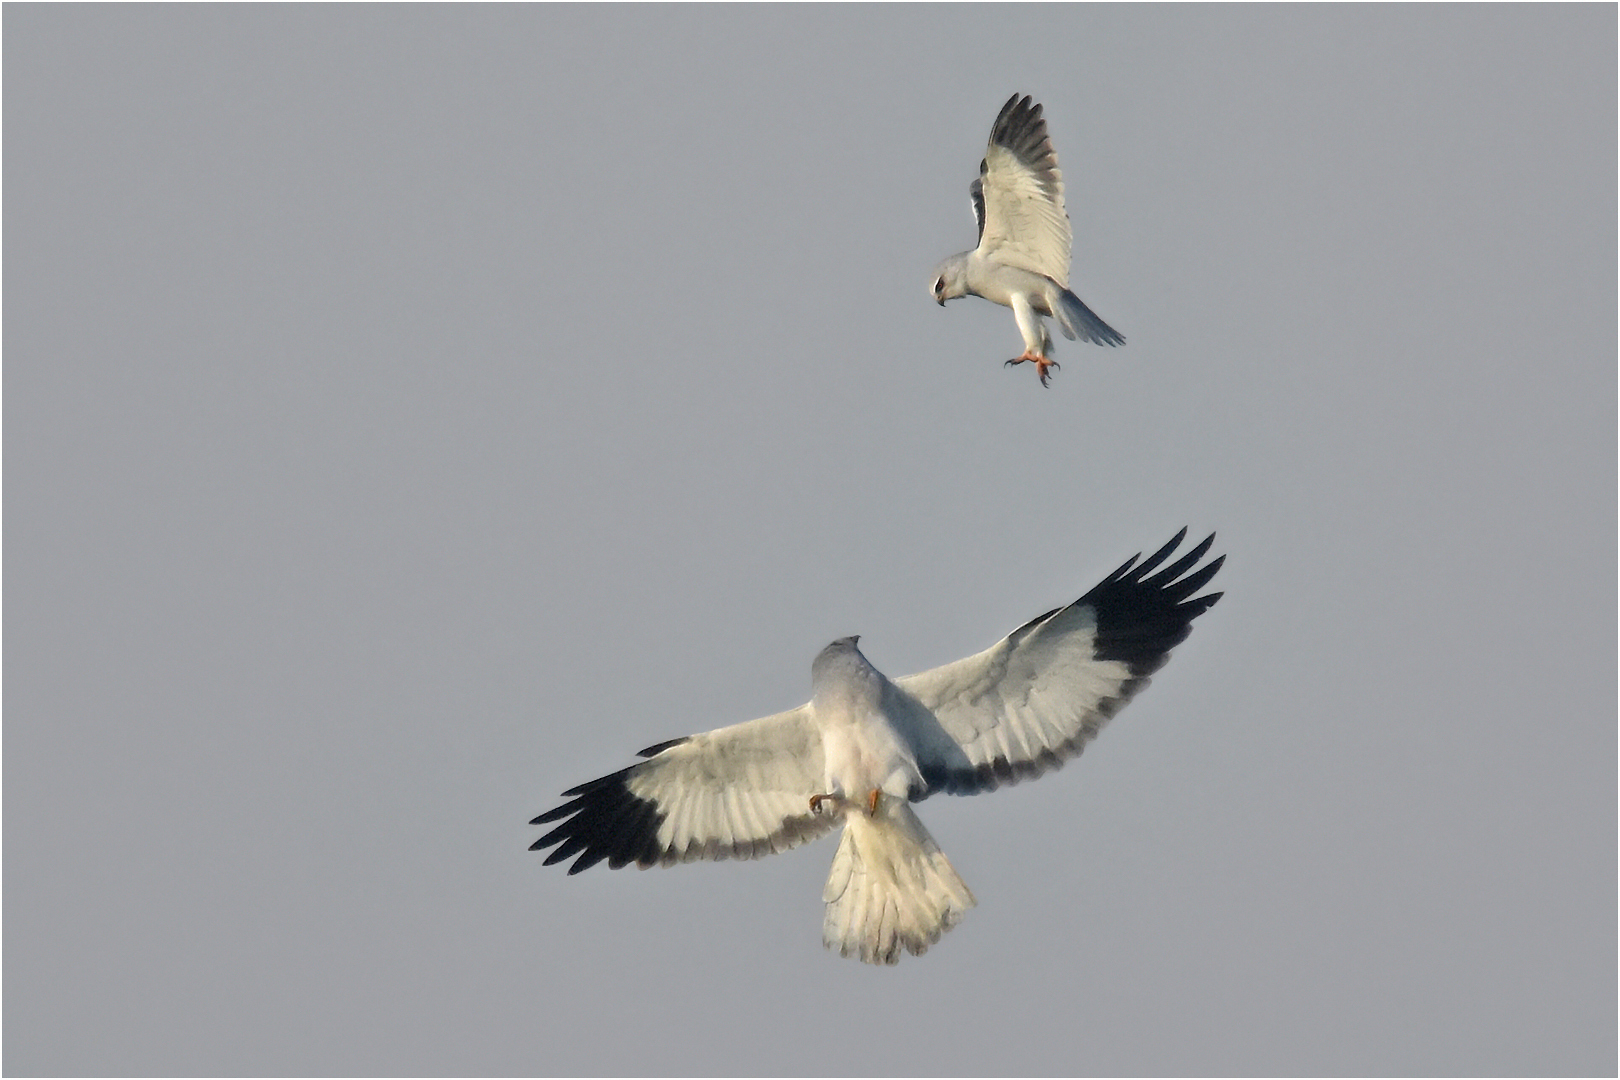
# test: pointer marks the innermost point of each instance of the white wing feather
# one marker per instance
(1023, 222)
(738, 792)
(1034, 699)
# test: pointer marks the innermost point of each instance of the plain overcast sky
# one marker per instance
(412, 411)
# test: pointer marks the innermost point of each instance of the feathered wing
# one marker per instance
(1034, 699)
(1018, 197)
(739, 792)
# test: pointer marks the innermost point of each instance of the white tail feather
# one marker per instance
(890, 887)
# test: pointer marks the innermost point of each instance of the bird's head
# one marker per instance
(841, 674)
(950, 279)
(843, 647)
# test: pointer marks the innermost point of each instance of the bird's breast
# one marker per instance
(864, 753)
(999, 282)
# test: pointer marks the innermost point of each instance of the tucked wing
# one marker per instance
(1018, 197)
(736, 793)
(1034, 699)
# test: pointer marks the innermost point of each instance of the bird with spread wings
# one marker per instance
(1022, 260)
(865, 747)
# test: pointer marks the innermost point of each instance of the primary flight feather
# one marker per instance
(865, 747)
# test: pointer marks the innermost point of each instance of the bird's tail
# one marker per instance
(1079, 321)
(890, 887)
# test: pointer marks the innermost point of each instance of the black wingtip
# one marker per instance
(1158, 557)
(1163, 553)
(1019, 102)
(1020, 130)
(603, 820)
(1144, 611)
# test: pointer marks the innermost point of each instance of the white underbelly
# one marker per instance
(1000, 283)
(861, 757)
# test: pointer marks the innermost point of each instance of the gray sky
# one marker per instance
(411, 412)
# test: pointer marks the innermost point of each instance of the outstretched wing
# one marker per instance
(739, 792)
(1018, 197)
(1034, 699)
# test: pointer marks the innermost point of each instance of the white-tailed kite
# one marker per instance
(1022, 260)
(865, 747)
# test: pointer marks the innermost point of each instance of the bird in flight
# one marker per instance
(865, 747)
(1022, 260)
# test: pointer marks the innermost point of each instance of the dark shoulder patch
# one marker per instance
(659, 748)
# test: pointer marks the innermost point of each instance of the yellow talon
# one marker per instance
(873, 801)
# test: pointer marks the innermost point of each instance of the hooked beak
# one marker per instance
(942, 301)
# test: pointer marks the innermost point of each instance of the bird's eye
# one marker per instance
(939, 285)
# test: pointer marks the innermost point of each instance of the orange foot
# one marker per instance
(871, 801)
(1041, 365)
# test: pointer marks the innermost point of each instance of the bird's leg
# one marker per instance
(1041, 365)
(817, 800)
(1033, 329)
(870, 802)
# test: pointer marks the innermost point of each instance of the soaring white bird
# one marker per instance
(1022, 260)
(865, 747)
